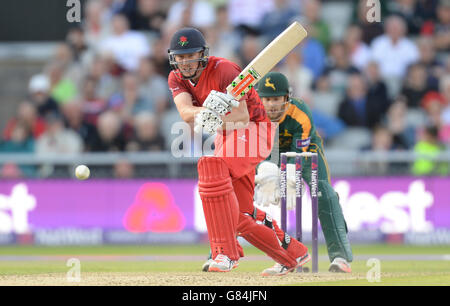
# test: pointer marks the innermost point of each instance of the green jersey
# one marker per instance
(297, 132)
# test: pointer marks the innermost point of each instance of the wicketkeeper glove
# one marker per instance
(267, 189)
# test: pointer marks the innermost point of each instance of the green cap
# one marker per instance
(273, 84)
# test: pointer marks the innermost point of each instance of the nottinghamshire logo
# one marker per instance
(271, 85)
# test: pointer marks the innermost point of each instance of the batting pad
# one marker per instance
(220, 206)
(265, 239)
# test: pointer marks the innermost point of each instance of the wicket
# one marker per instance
(298, 199)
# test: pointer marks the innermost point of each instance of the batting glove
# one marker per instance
(208, 120)
(220, 103)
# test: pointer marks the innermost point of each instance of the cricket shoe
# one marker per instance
(205, 267)
(222, 264)
(280, 270)
(340, 265)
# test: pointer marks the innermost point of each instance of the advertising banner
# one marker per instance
(96, 211)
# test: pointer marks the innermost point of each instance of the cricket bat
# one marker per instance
(266, 60)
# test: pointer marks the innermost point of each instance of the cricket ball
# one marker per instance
(82, 172)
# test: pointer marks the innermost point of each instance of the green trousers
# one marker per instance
(331, 218)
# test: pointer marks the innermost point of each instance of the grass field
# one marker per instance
(181, 265)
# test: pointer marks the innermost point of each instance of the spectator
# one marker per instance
(112, 7)
(11, 171)
(109, 134)
(129, 101)
(415, 86)
(100, 73)
(96, 25)
(247, 16)
(339, 67)
(393, 51)
(194, 13)
(382, 140)
(250, 48)
(428, 59)
(434, 103)
(57, 139)
(324, 99)
(127, 46)
(376, 86)
(446, 65)
(39, 89)
(76, 41)
(92, 105)
(161, 58)
(313, 54)
(145, 15)
(318, 28)
(223, 41)
(299, 76)
(426, 9)
(327, 126)
(72, 70)
(396, 122)
(359, 109)
(123, 169)
(153, 87)
(62, 89)
(407, 9)
(444, 87)
(277, 20)
(428, 148)
(74, 120)
(358, 51)
(440, 30)
(26, 115)
(147, 136)
(21, 141)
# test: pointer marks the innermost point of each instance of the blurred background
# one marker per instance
(95, 92)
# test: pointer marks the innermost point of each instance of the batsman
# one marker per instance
(226, 181)
(297, 133)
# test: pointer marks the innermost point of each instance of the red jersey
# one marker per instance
(218, 74)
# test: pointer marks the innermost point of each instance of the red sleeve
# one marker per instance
(227, 71)
(176, 86)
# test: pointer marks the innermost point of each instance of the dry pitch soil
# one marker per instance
(173, 279)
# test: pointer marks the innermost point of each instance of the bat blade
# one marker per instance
(267, 59)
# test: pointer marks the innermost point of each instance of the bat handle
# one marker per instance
(197, 129)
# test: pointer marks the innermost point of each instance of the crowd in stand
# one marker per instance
(105, 87)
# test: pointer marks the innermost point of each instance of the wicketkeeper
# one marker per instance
(297, 133)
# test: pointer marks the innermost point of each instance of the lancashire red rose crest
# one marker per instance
(183, 41)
